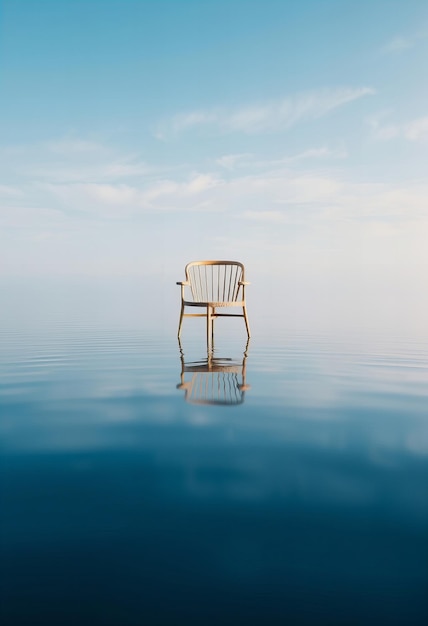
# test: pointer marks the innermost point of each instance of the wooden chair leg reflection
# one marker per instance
(214, 380)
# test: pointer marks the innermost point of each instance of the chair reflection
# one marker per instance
(214, 380)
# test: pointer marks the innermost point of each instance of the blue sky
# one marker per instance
(138, 135)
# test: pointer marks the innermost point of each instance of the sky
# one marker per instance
(138, 135)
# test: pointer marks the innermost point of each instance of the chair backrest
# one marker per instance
(215, 281)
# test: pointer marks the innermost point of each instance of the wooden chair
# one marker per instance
(212, 285)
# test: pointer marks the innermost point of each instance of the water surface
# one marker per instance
(283, 482)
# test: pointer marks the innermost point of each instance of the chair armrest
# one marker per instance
(243, 282)
(184, 282)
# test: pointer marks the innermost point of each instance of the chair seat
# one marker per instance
(213, 304)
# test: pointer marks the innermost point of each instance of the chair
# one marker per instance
(212, 285)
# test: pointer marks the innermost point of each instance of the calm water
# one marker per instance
(284, 483)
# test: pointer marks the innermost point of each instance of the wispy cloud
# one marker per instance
(232, 161)
(120, 201)
(416, 130)
(273, 116)
(113, 169)
(8, 191)
(380, 127)
(322, 152)
(272, 196)
(399, 43)
(71, 161)
(249, 162)
(75, 146)
(29, 218)
(283, 216)
(413, 130)
(294, 188)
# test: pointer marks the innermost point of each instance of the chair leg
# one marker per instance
(181, 321)
(244, 308)
(212, 327)
(209, 328)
